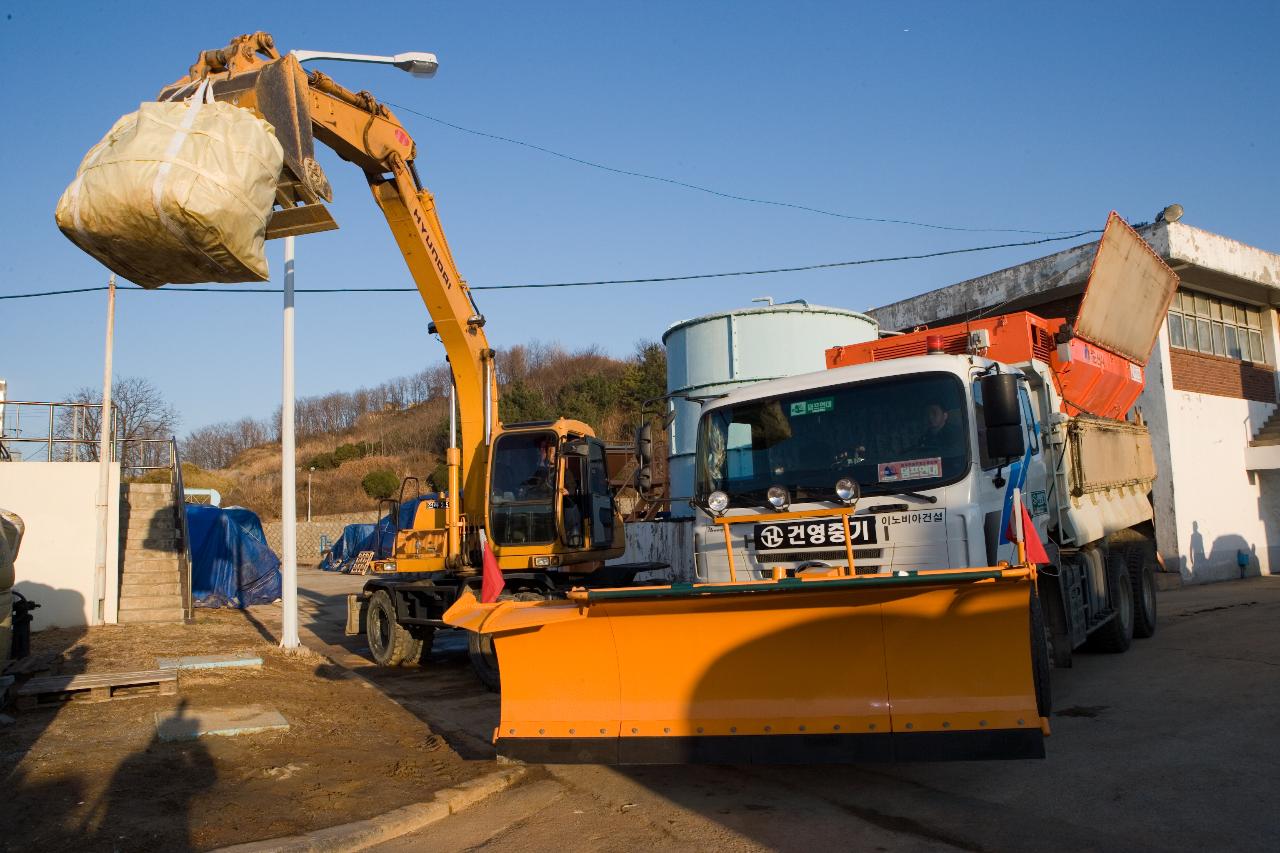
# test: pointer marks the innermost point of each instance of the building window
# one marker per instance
(1207, 324)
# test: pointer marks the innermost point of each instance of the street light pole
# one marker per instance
(310, 471)
(288, 494)
(419, 65)
(104, 464)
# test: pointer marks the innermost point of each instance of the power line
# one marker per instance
(50, 293)
(686, 185)
(589, 283)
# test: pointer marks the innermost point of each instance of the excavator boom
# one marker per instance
(303, 107)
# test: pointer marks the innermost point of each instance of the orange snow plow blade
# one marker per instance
(915, 666)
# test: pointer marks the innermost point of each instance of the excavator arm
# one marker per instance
(303, 107)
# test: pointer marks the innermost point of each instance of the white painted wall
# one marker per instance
(1207, 505)
(57, 501)
(1219, 507)
(669, 541)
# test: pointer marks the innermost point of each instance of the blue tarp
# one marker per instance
(343, 552)
(379, 538)
(231, 565)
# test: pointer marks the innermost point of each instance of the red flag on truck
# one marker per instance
(1035, 548)
(492, 581)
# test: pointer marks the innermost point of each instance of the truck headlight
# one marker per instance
(717, 502)
(846, 490)
(778, 497)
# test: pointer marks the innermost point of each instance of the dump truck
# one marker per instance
(534, 497)
(889, 553)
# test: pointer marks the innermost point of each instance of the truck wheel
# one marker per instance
(1055, 616)
(1141, 575)
(389, 642)
(484, 660)
(1040, 644)
(1117, 634)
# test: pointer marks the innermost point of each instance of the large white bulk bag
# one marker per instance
(178, 192)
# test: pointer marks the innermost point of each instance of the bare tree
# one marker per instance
(142, 411)
(217, 445)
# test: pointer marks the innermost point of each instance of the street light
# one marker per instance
(419, 65)
(310, 471)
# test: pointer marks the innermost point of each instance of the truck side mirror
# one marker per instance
(1003, 415)
(1004, 442)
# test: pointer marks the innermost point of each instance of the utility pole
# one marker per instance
(104, 463)
(288, 495)
(310, 471)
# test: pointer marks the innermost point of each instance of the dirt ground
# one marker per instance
(94, 776)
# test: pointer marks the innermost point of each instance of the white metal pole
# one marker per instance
(288, 497)
(104, 464)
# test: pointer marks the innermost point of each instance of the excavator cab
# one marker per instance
(550, 505)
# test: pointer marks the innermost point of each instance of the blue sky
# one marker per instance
(1041, 116)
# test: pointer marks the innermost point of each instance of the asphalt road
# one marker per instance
(1171, 746)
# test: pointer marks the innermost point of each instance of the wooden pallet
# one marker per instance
(96, 687)
(361, 565)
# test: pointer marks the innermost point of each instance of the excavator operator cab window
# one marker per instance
(523, 490)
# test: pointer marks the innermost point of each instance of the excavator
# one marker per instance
(819, 664)
(539, 491)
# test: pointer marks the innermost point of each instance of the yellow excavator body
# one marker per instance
(836, 668)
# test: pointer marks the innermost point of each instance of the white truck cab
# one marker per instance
(910, 432)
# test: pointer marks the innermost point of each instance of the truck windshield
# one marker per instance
(892, 435)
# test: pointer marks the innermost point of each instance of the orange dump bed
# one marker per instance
(1089, 378)
(1097, 362)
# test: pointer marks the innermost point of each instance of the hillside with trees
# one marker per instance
(361, 443)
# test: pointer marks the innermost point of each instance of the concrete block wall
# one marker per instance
(310, 533)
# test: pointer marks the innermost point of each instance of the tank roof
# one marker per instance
(795, 306)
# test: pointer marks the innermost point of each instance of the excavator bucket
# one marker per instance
(275, 87)
(914, 666)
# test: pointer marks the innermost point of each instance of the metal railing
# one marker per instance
(69, 432)
(65, 432)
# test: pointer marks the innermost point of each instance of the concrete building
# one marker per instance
(1211, 391)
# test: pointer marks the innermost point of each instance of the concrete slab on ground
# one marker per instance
(189, 724)
(209, 661)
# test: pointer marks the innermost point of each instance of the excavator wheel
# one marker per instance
(1117, 635)
(420, 647)
(484, 659)
(389, 643)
